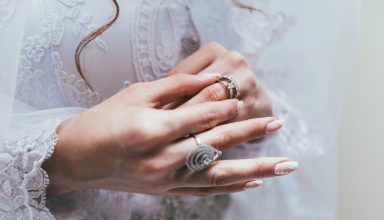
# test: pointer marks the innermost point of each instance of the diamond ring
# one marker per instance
(232, 86)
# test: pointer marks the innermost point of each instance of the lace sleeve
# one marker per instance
(23, 181)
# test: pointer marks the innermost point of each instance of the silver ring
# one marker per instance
(200, 158)
(232, 86)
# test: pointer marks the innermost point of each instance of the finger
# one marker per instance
(224, 137)
(172, 88)
(218, 190)
(227, 172)
(200, 59)
(234, 64)
(200, 117)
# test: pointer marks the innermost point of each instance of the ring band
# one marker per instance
(232, 86)
(202, 156)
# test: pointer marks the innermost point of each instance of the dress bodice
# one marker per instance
(148, 39)
(144, 43)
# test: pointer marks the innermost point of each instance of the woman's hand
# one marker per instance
(130, 143)
(214, 58)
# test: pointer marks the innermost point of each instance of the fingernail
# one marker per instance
(253, 184)
(273, 126)
(286, 167)
(240, 105)
(211, 74)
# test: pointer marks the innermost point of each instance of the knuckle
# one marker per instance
(250, 75)
(138, 130)
(149, 168)
(173, 71)
(155, 169)
(215, 47)
(151, 132)
(180, 79)
(136, 87)
(213, 92)
(220, 177)
(250, 81)
(177, 78)
(209, 119)
(229, 109)
(158, 134)
(236, 58)
(221, 141)
(261, 171)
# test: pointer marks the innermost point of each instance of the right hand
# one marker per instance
(129, 143)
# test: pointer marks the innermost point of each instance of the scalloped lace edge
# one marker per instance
(54, 138)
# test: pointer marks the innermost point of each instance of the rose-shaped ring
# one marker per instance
(200, 158)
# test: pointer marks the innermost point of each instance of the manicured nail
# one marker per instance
(253, 184)
(211, 74)
(273, 126)
(286, 167)
(240, 105)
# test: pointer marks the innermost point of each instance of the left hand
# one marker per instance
(214, 58)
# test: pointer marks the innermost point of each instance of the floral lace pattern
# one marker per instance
(42, 48)
(21, 174)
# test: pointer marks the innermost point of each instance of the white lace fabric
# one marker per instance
(23, 181)
(40, 87)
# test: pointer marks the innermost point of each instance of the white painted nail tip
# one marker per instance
(286, 168)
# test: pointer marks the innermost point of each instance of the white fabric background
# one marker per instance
(361, 144)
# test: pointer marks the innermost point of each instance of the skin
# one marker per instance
(136, 140)
(214, 58)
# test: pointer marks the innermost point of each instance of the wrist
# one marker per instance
(58, 183)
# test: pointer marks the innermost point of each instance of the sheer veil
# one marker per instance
(12, 20)
(26, 137)
(13, 112)
(305, 62)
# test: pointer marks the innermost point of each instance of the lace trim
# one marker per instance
(23, 181)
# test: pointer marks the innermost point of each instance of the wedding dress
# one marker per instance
(301, 52)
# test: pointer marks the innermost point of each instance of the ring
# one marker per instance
(232, 86)
(200, 158)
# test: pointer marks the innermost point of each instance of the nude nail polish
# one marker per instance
(285, 168)
(253, 184)
(273, 126)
